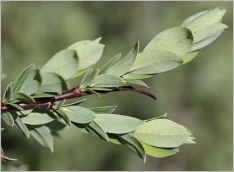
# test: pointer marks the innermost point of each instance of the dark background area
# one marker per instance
(197, 95)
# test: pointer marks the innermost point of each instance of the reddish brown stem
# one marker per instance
(76, 92)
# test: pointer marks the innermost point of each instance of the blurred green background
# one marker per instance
(197, 95)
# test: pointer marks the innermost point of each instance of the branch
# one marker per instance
(73, 93)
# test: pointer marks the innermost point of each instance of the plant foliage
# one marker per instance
(35, 103)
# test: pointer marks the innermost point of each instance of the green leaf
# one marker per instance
(158, 61)
(110, 63)
(81, 127)
(102, 89)
(81, 72)
(7, 94)
(162, 133)
(64, 116)
(159, 152)
(21, 126)
(97, 130)
(7, 117)
(137, 82)
(38, 116)
(21, 97)
(92, 91)
(117, 124)
(208, 18)
(56, 125)
(22, 77)
(189, 56)
(132, 143)
(78, 114)
(177, 40)
(21, 113)
(88, 52)
(75, 103)
(208, 37)
(41, 94)
(52, 82)
(124, 64)
(114, 138)
(58, 104)
(104, 109)
(88, 78)
(63, 63)
(133, 76)
(43, 136)
(106, 80)
(190, 19)
(31, 84)
(190, 141)
(158, 117)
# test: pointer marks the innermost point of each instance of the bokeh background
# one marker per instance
(197, 95)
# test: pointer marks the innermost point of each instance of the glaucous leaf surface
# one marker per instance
(37, 118)
(125, 63)
(106, 80)
(189, 56)
(78, 114)
(177, 40)
(21, 97)
(63, 63)
(22, 77)
(162, 133)
(88, 53)
(7, 117)
(155, 61)
(159, 152)
(31, 84)
(104, 109)
(137, 82)
(110, 63)
(52, 82)
(117, 124)
(7, 93)
(88, 78)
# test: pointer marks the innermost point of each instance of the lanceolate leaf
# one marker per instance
(134, 76)
(32, 83)
(206, 19)
(64, 63)
(22, 77)
(97, 130)
(64, 116)
(22, 127)
(190, 19)
(42, 116)
(75, 103)
(158, 61)
(209, 31)
(106, 80)
(88, 78)
(16, 106)
(52, 82)
(105, 109)
(7, 94)
(110, 63)
(117, 124)
(124, 65)
(177, 40)
(43, 134)
(56, 125)
(132, 143)
(7, 117)
(21, 97)
(159, 152)
(162, 133)
(78, 114)
(137, 82)
(88, 52)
